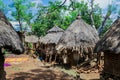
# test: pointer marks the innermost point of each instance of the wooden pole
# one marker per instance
(50, 58)
(2, 72)
(55, 57)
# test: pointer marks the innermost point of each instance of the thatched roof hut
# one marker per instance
(31, 44)
(9, 40)
(79, 38)
(31, 39)
(49, 42)
(111, 40)
(110, 45)
(8, 37)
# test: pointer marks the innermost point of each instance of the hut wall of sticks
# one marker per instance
(110, 45)
(49, 42)
(77, 42)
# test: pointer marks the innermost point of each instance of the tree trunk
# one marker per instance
(20, 24)
(2, 72)
(101, 28)
(91, 14)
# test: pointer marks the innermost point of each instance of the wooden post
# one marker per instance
(50, 58)
(2, 72)
(46, 57)
(55, 57)
(98, 58)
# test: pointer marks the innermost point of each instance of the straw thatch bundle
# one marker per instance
(53, 36)
(31, 39)
(9, 40)
(8, 36)
(111, 40)
(78, 37)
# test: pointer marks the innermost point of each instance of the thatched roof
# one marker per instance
(110, 43)
(52, 36)
(8, 36)
(31, 39)
(55, 29)
(79, 36)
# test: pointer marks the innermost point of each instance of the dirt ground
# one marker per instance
(23, 67)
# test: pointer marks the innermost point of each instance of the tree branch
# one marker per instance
(58, 6)
(91, 14)
(100, 29)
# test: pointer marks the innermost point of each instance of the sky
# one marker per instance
(102, 3)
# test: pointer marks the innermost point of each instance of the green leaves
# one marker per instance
(3, 7)
(21, 11)
(63, 16)
(48, 16)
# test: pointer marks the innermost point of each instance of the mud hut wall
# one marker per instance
(112, 64)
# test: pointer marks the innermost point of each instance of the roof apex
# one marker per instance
(55, 29)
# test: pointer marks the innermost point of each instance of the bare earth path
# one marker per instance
(25, 68)
(31, 69)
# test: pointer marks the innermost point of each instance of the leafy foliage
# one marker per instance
(48, 16)
(58, 14)
(3, 7)
(63, 16)
(21, 11)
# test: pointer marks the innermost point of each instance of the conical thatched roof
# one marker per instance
(55, 29)
(31, 39)
(8, 37)
(79, 36)
(52, 36)
(110, 43)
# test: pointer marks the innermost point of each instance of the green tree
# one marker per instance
(3, 7)
(22, 11)
(110, 10)
(47, 17)
(64, 15)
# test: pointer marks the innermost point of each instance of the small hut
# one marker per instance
(31, 43)
(49, 42)
(77, 41)
(110, 45)
(8, 40)
(32, 39)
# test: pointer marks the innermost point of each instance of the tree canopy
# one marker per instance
(58, 13)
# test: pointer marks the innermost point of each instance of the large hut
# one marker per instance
(77, 41)
(110, 45)
(8, 40)
(49, 42)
